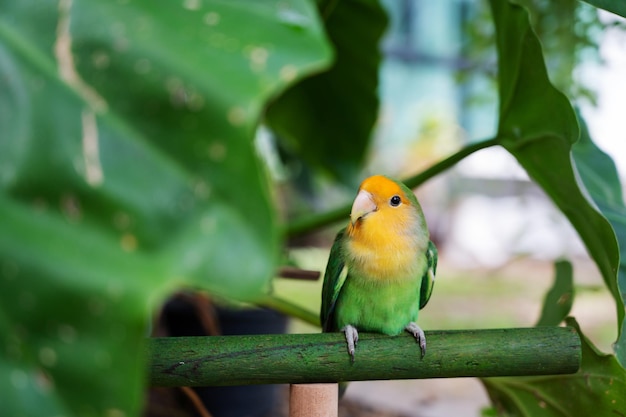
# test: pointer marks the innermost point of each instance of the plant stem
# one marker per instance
(289, 309)
(322, 357)
(312, 222)
(417, 180)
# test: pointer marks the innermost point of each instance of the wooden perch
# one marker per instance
(309, 358)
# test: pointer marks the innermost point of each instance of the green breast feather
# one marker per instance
(383, 308)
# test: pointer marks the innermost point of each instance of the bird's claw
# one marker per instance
(352, 336)
(419, 336)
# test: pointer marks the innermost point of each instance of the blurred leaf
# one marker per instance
(597, 389)
(327, 119)
(569, 32)
(128, 168)
(559, 299)
(198, 103)
(73, 317)
(600, 177)
(521, 75)
(614, 6)
(538, 126)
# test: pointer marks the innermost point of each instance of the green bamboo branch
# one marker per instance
(322, 357)
(312, 222)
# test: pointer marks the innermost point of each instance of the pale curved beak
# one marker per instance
(362, 206)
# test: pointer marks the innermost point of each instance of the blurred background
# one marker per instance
(129, 172)
(497, 232)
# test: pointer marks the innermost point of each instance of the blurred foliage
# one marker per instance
(327, 119)
(600, 178)
(570, 32)
(542, 141)
(541, 137)
(596, 389)
(128, 169)
(128, 166)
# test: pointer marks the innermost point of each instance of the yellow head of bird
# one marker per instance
(377, 193)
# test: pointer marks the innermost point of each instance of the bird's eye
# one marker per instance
(395, 201)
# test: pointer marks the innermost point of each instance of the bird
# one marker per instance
(382, 265)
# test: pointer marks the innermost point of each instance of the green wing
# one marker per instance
(334, 277)
(428, 279)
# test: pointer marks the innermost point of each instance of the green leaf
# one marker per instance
(327, 119)
(599, 175)
(615, 6)
(560, 297)
(597, 389)
(524, 119)
(538, 126)
(73, 318)
(127, 169)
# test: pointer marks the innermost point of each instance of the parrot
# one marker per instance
(381, 268)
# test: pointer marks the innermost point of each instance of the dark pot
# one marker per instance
(180, 319)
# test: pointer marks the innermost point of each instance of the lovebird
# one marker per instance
(381, 267)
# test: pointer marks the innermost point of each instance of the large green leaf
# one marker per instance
(73, 317)
(127, 168)
(327, 119)
(538, 126)
(599, 175)
(597, 389)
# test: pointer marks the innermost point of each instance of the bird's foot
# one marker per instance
(352, 336)
(419, 336)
